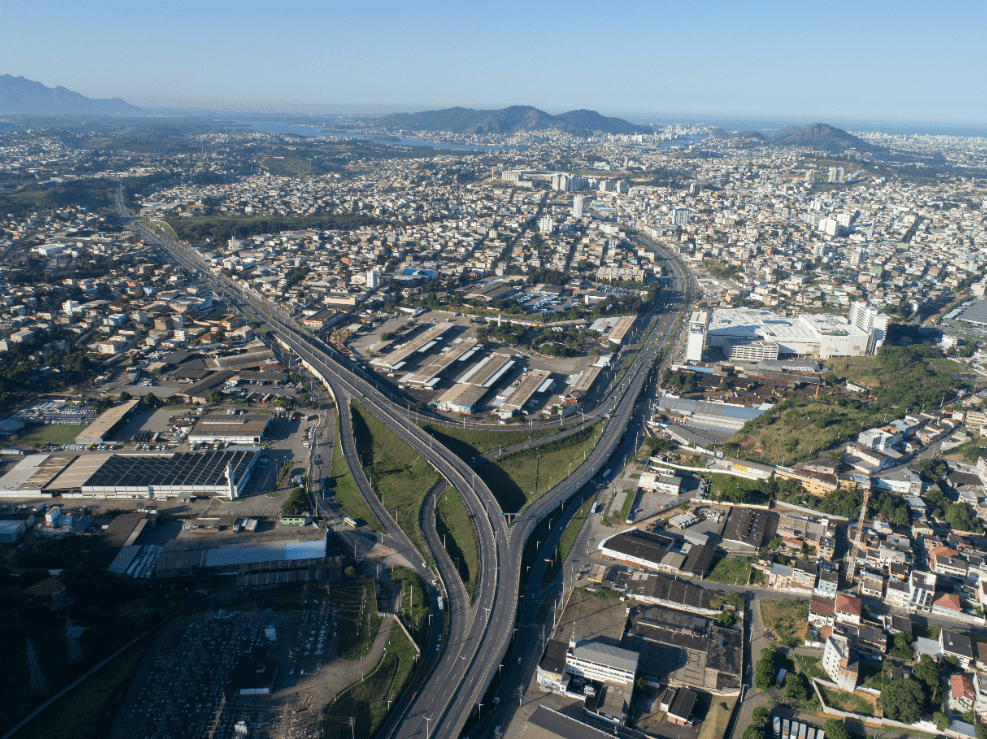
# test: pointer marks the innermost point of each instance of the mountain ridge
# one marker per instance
(513, 119)
(21, 95)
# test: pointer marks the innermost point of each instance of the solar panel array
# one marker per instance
(184, 469)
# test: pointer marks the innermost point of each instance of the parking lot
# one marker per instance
(179, 689)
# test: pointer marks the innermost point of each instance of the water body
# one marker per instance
(294, 129)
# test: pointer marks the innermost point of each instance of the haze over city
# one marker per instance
(837, 62)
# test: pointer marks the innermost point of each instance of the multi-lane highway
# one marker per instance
(478, 633)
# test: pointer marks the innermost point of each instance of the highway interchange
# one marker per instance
(473, 640)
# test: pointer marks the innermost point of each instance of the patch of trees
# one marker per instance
(223, 229)
(296, 504)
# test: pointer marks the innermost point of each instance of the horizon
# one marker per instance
(756, 62)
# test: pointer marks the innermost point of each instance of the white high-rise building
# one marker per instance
(577, 206)
(868, 318)
(680, 216)
(373, 279)
(546, 225)
(857, 255)
(698, 326)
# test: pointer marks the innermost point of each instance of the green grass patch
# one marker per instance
(365, 704)
(400, 476)
(221, 228)
(787, 619)
(809, 666)
(567, 540)
(852, 702)
(520, 478)
(50, 434)
(455, 528)
(732, 570)
(415, 606)
(87, 709)
(468, 444)
(357, 602)
(346, 492)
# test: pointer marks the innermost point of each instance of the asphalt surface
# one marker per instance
(448, 691)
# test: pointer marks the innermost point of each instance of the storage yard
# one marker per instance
(229, 674)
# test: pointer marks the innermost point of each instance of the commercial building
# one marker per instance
(230, 428)
(870, 319)
(746, 334)
(745, 527)
(545, 723)
(601, 662)
(657, 552)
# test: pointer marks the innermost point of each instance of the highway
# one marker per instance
(478, 634)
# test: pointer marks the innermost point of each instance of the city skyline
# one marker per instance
(647, 62)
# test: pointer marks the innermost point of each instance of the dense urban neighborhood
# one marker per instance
(339, 427)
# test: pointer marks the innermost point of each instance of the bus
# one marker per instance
(606, 474)
(350, 522)
(442, 606)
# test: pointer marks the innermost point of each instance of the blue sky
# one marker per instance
(864, 60)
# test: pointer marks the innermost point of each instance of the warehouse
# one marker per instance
(230, 428)
(658, 552)
(461, 398)
(99, 430)
(161, 476)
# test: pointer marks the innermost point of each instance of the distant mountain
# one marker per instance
(754, 136)
(20, 95)
(509, 120)
(825, 138)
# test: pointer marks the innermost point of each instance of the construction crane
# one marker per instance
(856, 541)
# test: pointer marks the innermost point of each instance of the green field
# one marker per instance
(520, 478)
(400, 477)
(220, 228)
(357, 603)
(360, 710)
(415, 606)
(347, 494)
(455, 528)
(732, 570)
(85, 711)
(567, 540)
(468, 444)
(50, 434)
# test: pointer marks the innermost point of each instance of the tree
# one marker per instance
(752, 732)
(902, 700)
(125, 396)
(835, 730)
(759, 717)
(297, 503)
(902, 646)
(942, 723)
(215, 397)
(657, 444)
(795, 689)
(725, 619)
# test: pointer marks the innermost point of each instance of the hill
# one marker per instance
(509, 120)
(20, 95)
(824, 137)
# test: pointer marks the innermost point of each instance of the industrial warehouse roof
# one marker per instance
(976, 313)
(33, 472)
(605, 654)
(282, 551)
(185, 469)
(745, 527)
(222, 425)
(96, 432)
(706, 408)
(659, 587)
(640, 544)
(545, 723)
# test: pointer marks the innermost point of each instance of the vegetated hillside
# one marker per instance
(508, 120)
(824, 137)
(901, 379)
(20, 95)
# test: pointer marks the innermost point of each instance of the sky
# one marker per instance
(819, 61)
